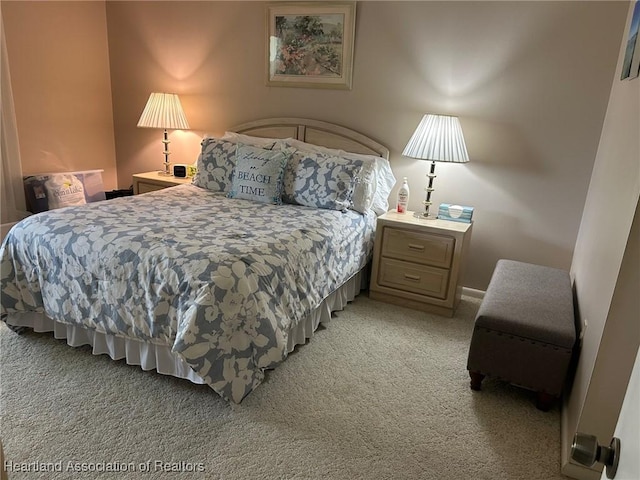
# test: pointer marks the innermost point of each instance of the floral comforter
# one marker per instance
(221, 281)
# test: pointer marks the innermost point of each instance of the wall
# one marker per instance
(529, 80)
(62, 93)
(605, 272)
(12, 200)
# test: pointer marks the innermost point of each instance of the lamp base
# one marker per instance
(425, 216)
(165, 174)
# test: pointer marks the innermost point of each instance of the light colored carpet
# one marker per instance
(381, 393)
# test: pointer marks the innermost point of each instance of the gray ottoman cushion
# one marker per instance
(530, 301)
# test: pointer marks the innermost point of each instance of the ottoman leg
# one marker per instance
(544, 401)
(476, 380)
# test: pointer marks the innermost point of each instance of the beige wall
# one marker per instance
(530, 82)
(605, 271)
(59, 69)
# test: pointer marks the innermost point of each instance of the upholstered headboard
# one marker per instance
(314, 131)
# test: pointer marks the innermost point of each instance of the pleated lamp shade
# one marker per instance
(163, 110)
(438, 138)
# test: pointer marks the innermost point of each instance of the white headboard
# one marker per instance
(314, 131)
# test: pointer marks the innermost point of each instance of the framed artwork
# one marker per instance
(631, 63)
(310, 44)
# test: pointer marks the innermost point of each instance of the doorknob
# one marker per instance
(586, 451)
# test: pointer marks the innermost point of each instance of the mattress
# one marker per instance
(222, 283)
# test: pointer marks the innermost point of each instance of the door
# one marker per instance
(628, 429)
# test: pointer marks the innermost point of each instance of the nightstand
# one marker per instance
(151, 181)
(418, 263)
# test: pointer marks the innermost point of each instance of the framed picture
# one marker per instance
(631, 64)
(310, 44)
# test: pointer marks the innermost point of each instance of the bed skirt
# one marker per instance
(159, 357)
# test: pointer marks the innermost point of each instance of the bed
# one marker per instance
(214, 281)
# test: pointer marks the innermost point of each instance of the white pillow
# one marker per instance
(385, 181)
(64, 190)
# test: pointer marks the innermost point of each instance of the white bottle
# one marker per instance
(403, 197)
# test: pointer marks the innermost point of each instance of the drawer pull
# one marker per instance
(413, 246)
(412, 277)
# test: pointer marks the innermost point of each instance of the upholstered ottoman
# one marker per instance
(525, 330)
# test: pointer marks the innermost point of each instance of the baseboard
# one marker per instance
(579, 472)
(473, 293)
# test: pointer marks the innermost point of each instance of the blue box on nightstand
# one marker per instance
(456, 213)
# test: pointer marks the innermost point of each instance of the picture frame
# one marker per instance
(631, 62)
(310, 44)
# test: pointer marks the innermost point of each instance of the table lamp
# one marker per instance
(163, 110)
(438, 138)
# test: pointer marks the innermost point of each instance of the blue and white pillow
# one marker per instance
(324, 181)
(258, 174)
(215, 164)
(368, 194)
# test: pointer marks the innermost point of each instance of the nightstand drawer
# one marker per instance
(410, 277)
(425, 248)
(149, 187)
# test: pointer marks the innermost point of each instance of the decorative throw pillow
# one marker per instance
(64, 190)
(258, 174)
(317, 180)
